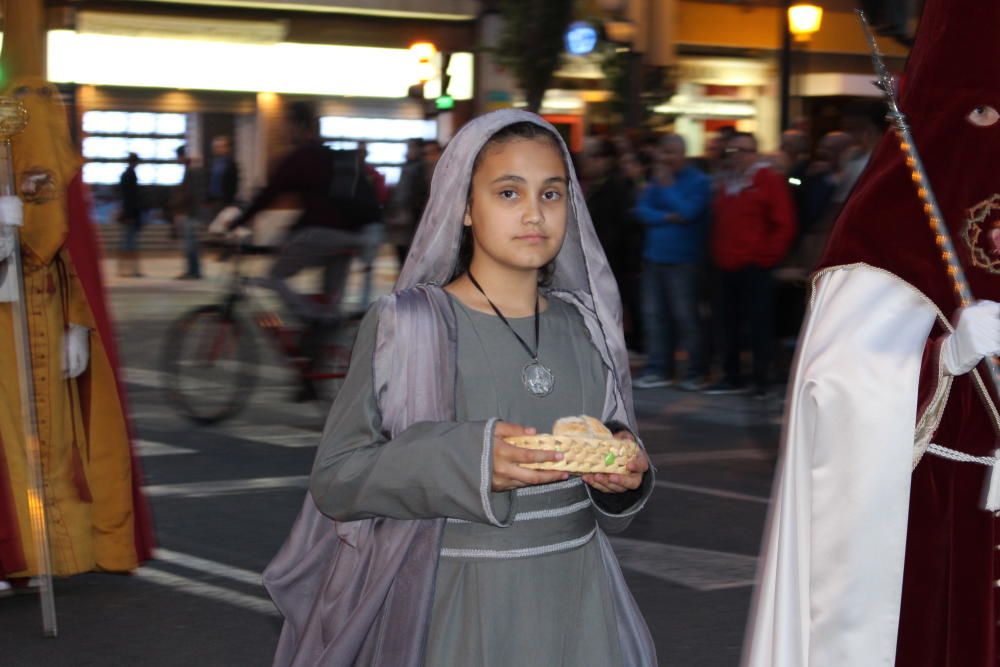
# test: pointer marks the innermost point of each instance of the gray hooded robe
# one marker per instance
(360, 592)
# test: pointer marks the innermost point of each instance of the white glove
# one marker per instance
(976, 336)
(76, 351)
(11, 211)
(6, 242)
(11, 215)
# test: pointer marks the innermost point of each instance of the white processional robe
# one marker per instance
(831, 573)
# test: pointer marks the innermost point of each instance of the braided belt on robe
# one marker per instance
(992, 502)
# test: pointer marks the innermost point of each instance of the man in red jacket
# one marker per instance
(754, 228)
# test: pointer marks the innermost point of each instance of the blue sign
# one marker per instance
(581, 38)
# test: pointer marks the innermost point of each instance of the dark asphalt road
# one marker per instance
(224, 498)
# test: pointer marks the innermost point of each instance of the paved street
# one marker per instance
(224, 497)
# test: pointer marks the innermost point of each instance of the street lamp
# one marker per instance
(423, 53)
(802, 21)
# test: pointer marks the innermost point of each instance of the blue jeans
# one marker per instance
(670, 316)
(130, 239)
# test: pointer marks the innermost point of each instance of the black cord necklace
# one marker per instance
(536, 378)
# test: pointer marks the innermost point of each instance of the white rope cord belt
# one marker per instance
(992, 495)
(946, 453)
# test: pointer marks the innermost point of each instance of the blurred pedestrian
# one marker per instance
(865, 123)
(408, 198)
(710, 161)
(816, 213)
(185, 206)
(131, 217)
(374, 176)
(610, 201)
(754, 229)
(674, 210)
(373, 231)
(635, 168)
(828, 182)
(793, 155)
(223, 177)
(432, 153)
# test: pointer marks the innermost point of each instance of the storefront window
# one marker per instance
(154, 137)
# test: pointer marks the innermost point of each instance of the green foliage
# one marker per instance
(532, 43)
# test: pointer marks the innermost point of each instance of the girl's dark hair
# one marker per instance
(513, 132)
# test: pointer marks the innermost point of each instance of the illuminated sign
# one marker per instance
(581, 38)
(286, 67)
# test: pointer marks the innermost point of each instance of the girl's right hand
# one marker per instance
(507, 471)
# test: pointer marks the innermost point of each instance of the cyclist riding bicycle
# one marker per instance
(337, 199)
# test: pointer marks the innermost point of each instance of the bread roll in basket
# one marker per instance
(587, 446)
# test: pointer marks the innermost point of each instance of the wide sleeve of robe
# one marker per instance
(430, 470)
(831, 572)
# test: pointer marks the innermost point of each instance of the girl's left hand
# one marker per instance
(617, 483)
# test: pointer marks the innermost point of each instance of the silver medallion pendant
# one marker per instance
(538, 379)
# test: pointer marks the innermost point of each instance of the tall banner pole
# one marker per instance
(13, 119)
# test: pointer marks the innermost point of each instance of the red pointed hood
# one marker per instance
(951, 95)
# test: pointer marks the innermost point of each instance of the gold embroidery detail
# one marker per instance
(982, 234)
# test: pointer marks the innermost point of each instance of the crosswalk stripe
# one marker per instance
(151, 448)
(226, 487)
(210, 591)
(709, 491)
(277, 435)
(208, 566)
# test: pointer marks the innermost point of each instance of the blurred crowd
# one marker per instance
(713, 253)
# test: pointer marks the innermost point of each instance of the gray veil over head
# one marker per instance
(581, 269)
(360, 592)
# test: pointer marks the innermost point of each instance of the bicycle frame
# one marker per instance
(286, 338)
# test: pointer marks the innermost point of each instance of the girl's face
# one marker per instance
(519, 203)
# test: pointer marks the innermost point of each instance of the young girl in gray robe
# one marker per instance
(423, 540)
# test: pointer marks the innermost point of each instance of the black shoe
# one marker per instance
(725, 387)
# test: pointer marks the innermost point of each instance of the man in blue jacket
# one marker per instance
(674, 210)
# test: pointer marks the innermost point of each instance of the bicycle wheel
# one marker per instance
(210, 364)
